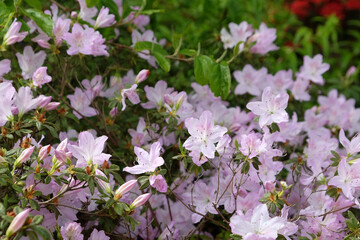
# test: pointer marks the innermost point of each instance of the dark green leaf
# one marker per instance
(162, 61)
(220, 80)
(41, 231)
(34, 204)
(151, 46)
(42, 20)
(34, 3)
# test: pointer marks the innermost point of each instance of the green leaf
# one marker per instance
(119, 208)
(162, 61)
(151, 46)
(221, 80)
(42, 20)
(235, 236)
(113, 8)
(37, 220)
(203, 66)
(102, 178)
(41, 231)
(151, 11)
(34, 4)
(109, 203)
(34, 204)
(91, 3)
(188, 52)
(91, 186)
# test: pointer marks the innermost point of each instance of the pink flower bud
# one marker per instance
(158, 182)
(44, 152)
(51, 106)
(24, 156)
(17, 222)
(114, 112)
(126, 187)
(104, 19)
(142, 75)
(73, 14)
(104, 185)
(350, 71)
(40, 77)
(269, 186)
(43, 100)
(140, 200)
(13, 35)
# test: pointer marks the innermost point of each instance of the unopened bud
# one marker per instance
(17, 222)
(24, 156)
(126, 187)
(140, 200)
(142, 76)
(44, 152)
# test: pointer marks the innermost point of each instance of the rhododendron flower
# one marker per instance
(104, 19)
(271, 108)
(60, 151)
(24, 156)
(89, 149)
(250, 80)
(86, 13)
(148, 161)
(104, 185)
(158, 182)
(251, 145)
(313, 68)
(131, 94)
(86, 41)
(7, 92)
(25, 102)
(98, 235)
(299, 90)
(260, 226)
(126, 187)
(204, 134)
(156, 94)
(40, 77)
(148, 35)
(5, 67)
(352, 146)
(81, 101)
(30, 61)
(13, 34)
(61, 26)
(17, 222)
(238, 33)
(71, 231)
(348, 178)
(264, 38)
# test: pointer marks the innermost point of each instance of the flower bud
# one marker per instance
(104, 185)
(114, 112)
(126, 187)
(17, 222)
(44, 152)
(51, 106)
(350, 71)
(13, 35)
(142, 76)
(44, 100)
(179, 102)
(73, 14)
(24, 156)
(140, 200)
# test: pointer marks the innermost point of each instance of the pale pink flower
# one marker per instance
(81, 101)
(148, 161)
(238, 33)
(299, 90)
(271, 108)
(13, 34)
(158, 182)
(71, 231)
(5, 67)
(30, 61)
(352, 146)
(61, 26)
(86, 13)
(89, 149)
(250, 80)
(348, 178)
(313, 69)
(131, 94)
(104, 19)
(204, 134)
(98, 235)
(156, 94)
(25, 102)
(260, 226)
(264, 38)
(7, 92)
(40, 77)
(126, 187)
(24, 156)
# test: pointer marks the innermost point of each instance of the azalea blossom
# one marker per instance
(158, 182)
(238, 33)
(313, 69)
(264, 38)
(271, 108)
(204, 134)
(40, 77)
(89, 149)
(352, 146)
(30, 61)
(104, 19)
(147, 161)
(81, 101)
(13, 34)
(71, 231)
(250, 80)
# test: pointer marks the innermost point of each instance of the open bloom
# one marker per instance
(81, 101)
(71, 231)
(264, 38)
(104, 19)
(271, 108)
(89, 149)
(29, 61)
(5, 67)
(204, 134)
(40, 77)
(352, 146)
(313, 69)
(158, 182)
(148, 162)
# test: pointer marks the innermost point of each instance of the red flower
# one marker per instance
(333, 8)
(352, 5)
(300, 8)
